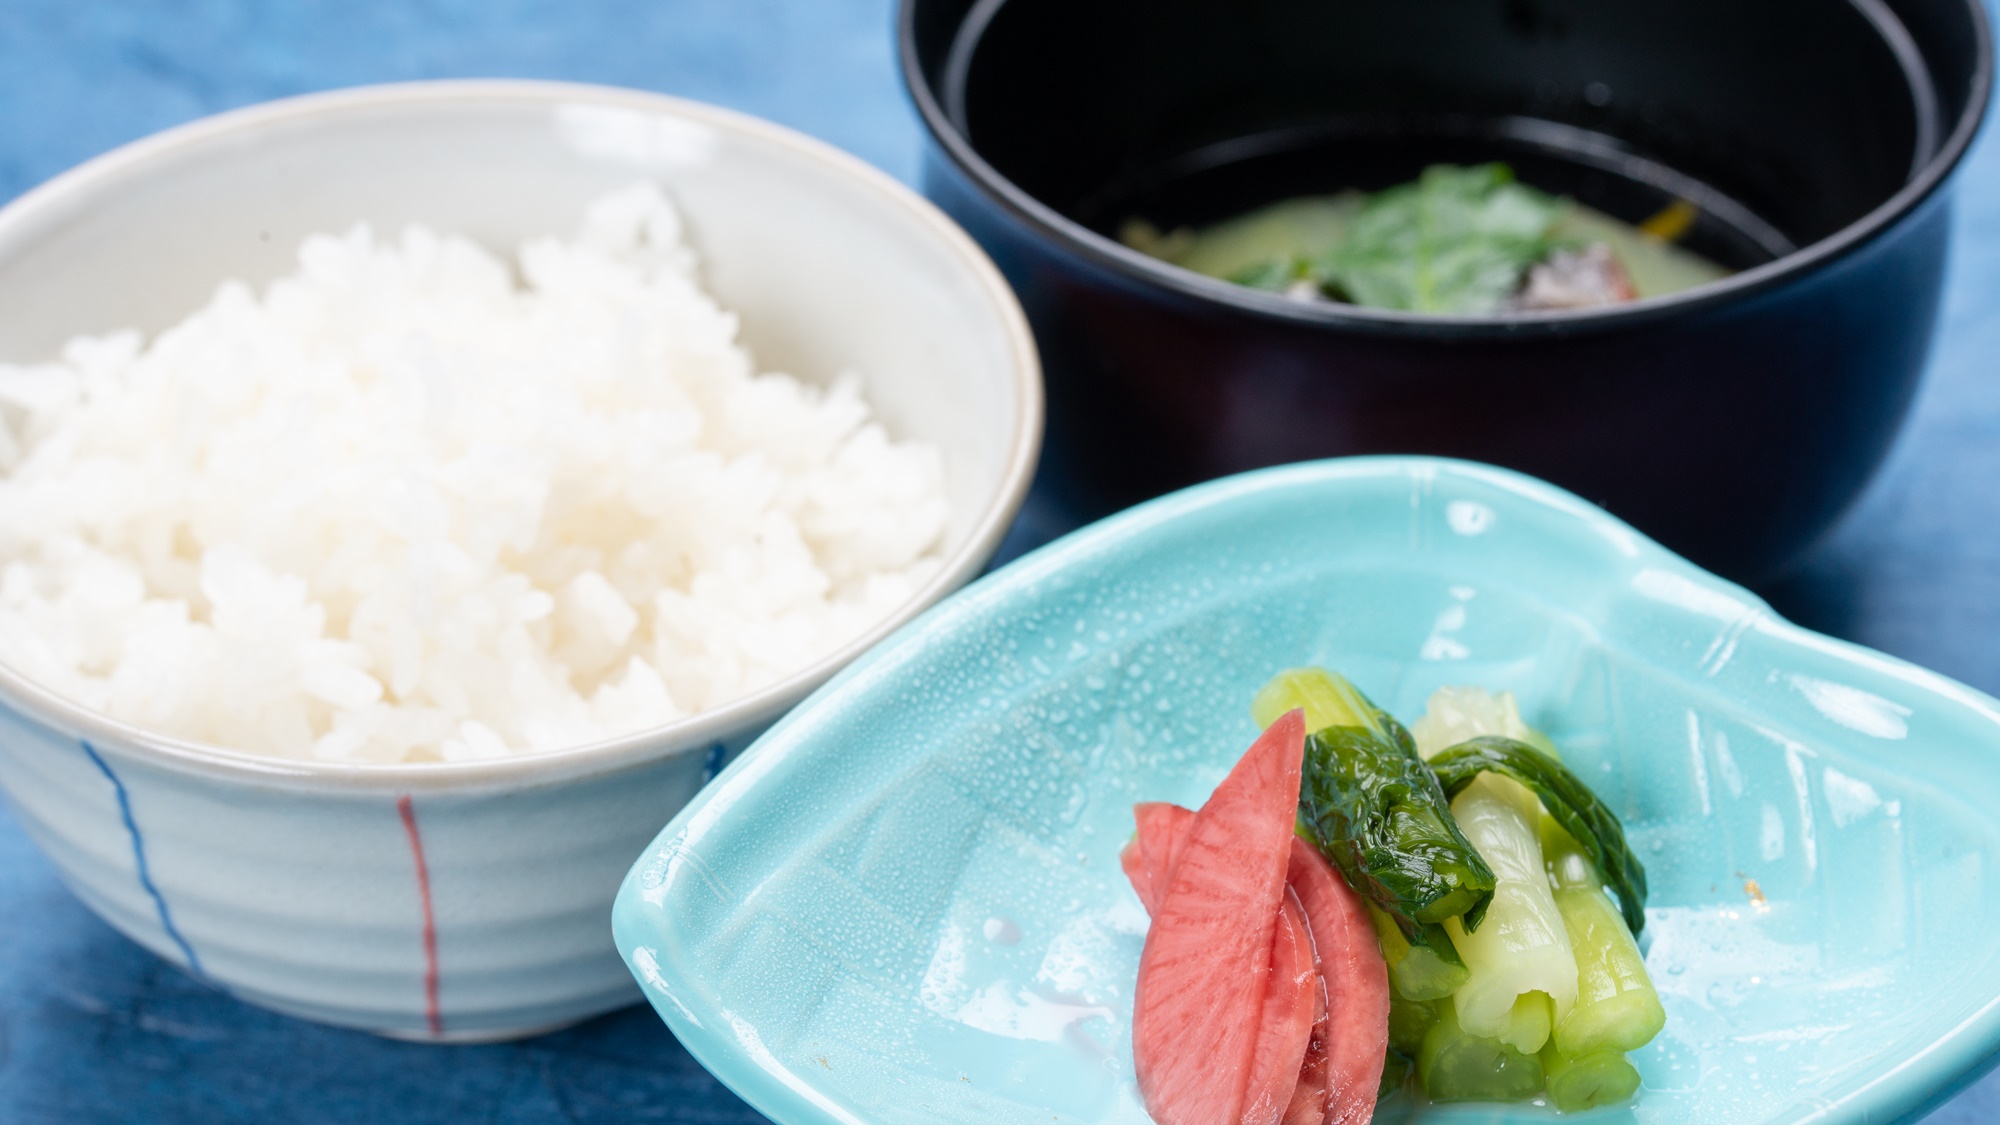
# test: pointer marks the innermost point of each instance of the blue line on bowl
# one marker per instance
(139, 861)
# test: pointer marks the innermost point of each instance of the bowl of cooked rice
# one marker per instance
(411, 495)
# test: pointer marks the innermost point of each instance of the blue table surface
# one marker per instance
(93, 1029)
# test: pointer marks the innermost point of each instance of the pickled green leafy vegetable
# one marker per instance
(1512, 970)
(1617, 1007)
(1376, 810)
(1567, 799)
(1523, 973)
(1378, 814)
(1594, 1078)
(1528, 1021)
(1460, 714)
(1424, 968)
(1409, 1021)
(1457, 1067)
(1395, 1071)
(1327, 699)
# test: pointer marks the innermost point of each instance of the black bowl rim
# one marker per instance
(1133, 266)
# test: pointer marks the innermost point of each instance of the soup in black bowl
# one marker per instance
(1801, 148)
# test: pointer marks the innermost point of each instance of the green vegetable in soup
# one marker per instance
(1375, 810)
(1277, 240)
(1458, 240)
(1575, 808)
(1277, 275)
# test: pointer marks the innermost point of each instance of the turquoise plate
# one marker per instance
(903, 904)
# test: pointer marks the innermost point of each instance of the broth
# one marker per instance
(1230, 210)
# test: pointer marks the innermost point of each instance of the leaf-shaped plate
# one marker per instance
(904, 904)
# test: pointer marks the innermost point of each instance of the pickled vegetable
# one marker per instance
(1455, 1066)
(1508, 968)
(1520, 960)
(1409, 1021)
(1617, 1007)
(1395, 1071)
(1594, 1078)
(1198, 1006)
(1328, 700)
(1372, 807)
(1460, 714)
(1426, 969)
(1566, 798)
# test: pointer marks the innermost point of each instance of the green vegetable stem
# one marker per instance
(1575, 808)
(1617, 1007)
(1594, 1078)
(1426, 967)
(1328, 700)
(1459, 1067)
(1395, 1071)
(1409, 1021)
(1523, 974)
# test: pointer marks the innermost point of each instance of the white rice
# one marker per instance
(403, 507)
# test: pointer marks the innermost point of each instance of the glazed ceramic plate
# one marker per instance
(904, 904)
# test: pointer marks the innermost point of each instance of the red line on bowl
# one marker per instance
(431, 1011)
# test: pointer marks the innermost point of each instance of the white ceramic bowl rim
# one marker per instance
(48, 202)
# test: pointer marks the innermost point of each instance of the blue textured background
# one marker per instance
(92, 1029)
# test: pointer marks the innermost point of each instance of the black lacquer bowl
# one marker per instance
(1734, 422)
